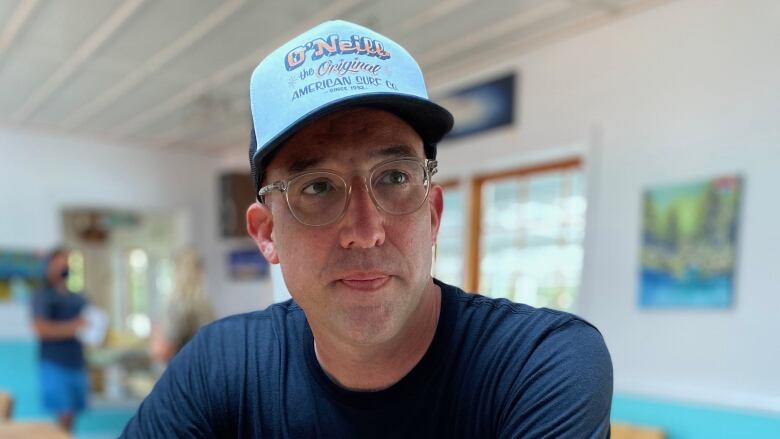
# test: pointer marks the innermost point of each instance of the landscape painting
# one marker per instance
(689, 244)
(21, 272)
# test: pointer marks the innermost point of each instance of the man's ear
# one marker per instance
(436, 204)
(259, 225)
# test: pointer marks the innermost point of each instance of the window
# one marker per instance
(531, 225)
(138, 321)
(75, 281)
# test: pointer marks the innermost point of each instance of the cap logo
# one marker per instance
(334, 45)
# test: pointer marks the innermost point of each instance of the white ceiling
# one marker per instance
(174, 74)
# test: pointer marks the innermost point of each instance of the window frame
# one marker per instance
(474, 220)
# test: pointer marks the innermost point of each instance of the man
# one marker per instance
(56, 321)
(370, 345)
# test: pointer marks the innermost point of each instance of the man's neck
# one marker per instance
(372, 368)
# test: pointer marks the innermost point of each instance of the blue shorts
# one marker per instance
(64, 389)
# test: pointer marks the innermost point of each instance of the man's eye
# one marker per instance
(317, 188)
(394, 177)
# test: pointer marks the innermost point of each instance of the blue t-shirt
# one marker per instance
(51, 304)
(494, 369)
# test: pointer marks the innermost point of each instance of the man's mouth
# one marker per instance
(365, 281)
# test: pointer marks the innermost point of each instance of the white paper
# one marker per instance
(94, 332)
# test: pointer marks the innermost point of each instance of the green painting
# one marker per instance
(20, 273)
(689, 244)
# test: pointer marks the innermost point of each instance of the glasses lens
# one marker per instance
(400, 186)
(317, 198)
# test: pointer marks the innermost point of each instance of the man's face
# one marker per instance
(56, 267)
(360, 278)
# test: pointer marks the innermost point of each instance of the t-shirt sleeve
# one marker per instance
(181, 405)
(564, 390)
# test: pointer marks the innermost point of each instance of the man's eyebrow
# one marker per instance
(394, 151)
(301, 165)
(399, 150)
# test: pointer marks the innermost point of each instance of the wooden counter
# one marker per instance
(31, 430)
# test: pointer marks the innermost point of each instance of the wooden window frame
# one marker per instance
(449, 183)
(474, 227)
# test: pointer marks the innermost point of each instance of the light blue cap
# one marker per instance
(332, 66)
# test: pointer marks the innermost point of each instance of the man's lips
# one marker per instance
(365, 281)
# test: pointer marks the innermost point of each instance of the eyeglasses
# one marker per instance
(320, 197)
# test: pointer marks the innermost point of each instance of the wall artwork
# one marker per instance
(689, 244)
(247, 264)
(21, 272)
(482, 107)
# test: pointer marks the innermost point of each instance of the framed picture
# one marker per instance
(21, 272)
(247, 264)
(689, 244)
(481, 107)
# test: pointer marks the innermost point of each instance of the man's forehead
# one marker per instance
(354, 123)
(351, 135)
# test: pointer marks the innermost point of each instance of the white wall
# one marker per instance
(40, 174)
(686, 91)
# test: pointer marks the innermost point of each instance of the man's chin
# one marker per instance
(368, 325)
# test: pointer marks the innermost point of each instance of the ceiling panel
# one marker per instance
(7, 8)
(392, 21)
(20, 74)
(465, 22)
(160, 23)
(77, 90)
(48, 40)
(175, 73)
(533, 23)
(204, 118)
(145, 95)
(256, 28)
(61, 26)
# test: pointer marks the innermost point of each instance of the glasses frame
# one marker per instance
(429, 167)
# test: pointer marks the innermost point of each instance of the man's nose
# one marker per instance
(363, 223)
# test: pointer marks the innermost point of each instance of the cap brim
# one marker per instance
(430, 120)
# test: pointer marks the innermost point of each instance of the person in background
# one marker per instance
(56, 321)
(187, 310)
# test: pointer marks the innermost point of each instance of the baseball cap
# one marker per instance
(333, 66)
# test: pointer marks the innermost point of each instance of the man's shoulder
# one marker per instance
(478, 308)
(532, 349)
(270, 323)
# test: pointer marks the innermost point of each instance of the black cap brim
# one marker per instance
(431, 121)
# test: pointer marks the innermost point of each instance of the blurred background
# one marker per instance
(619, 159)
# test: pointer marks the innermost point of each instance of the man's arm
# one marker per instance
(48, 329)
(564, 390)
(51, 330)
